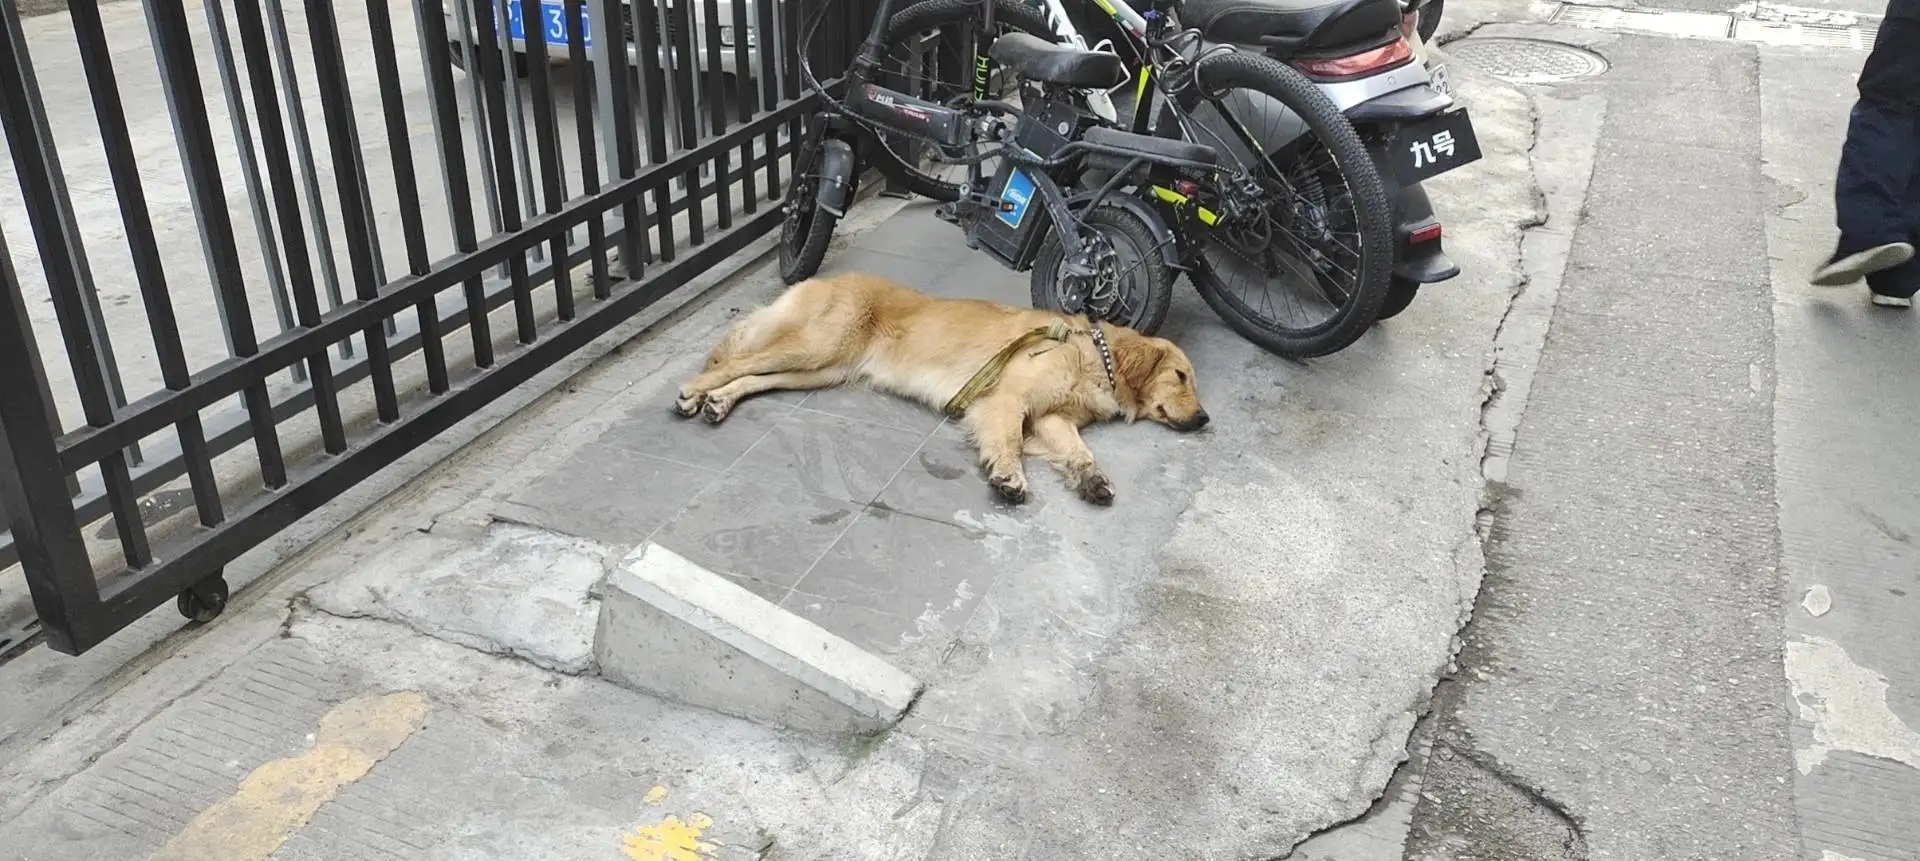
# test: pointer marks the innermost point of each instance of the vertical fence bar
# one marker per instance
(477, 96)
(493, 59)
(250, 169)
(655, 59)
(96, 61)
(511, 87)
(435, 51)
(546, 140)
(792, 29)
(686, 59)
(771, 45)
(406, 187)
(180, 76)
(717, 114)
(583, 114)
(337, 106)
(286, 197)
(33, 490)
(42, 189)
(303, 148)
(616, 102)
(745, 97)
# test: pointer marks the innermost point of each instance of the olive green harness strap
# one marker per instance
(989, 374)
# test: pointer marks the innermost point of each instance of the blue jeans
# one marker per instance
(1877, 189)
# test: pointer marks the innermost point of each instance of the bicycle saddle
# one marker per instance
(1291, 25)
(1061, 65)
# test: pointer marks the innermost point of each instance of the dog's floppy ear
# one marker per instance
(1136, 360)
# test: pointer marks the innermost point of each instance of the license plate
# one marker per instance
(1434, 146)
(1437, 79)
(552, 21)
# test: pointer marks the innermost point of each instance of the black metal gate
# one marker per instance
(527, 233)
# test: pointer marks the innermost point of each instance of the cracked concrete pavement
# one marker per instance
(1694, 638)
(1229, 662)
(1657, 666)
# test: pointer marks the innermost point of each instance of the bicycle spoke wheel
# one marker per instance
(1299, 259)
(929, 52)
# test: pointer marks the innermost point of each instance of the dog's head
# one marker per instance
(1161, 381)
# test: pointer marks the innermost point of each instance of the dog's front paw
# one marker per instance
(689, 404)
(1095, 488)
(1010, 488)
(716, 410)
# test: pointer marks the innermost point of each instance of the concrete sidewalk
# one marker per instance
(1227, 660)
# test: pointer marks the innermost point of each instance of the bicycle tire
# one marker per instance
(1400, 293)
(1044, 289)
(807, 229)
(927, 15)
(1269, 77)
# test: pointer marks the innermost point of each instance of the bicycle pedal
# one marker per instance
(947, 212)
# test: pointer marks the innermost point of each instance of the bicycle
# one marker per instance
(1335, 65)
(1104, 253)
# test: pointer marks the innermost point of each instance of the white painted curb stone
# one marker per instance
(673, 629)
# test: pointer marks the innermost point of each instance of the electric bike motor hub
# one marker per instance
(1092, 277)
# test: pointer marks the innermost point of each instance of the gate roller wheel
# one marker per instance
(205, 601)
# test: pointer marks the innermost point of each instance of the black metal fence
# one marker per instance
(188, 365)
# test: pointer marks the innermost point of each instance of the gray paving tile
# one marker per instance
(897, 584)
(933, 257)
(748, 526)
(912, 271)
(830, 455)
(874, 630)
(773, 592)
(983, 278)
(915, 234)
(608, 493)
(865, 404)
(654, 429)
(943, 482)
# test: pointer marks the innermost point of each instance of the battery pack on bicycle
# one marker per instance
(1019, 220)
(908, 115)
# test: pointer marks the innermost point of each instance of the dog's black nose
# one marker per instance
(1200, 419)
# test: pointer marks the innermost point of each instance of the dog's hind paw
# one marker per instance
(689, 406)
(1010, 488)
(715, 410)
(1095, 488)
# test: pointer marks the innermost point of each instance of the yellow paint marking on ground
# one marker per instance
(281, 796)
(656, 795)
(671, 840)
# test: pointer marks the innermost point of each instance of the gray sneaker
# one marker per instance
(1843, 269)
(1886, 301)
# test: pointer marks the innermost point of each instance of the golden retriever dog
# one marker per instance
(862, 328)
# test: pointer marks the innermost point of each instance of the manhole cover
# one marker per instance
(1527, 61)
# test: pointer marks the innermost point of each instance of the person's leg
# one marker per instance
(1879, 160)
(1896, 287)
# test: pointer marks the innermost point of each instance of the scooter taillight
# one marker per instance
(1355, 65)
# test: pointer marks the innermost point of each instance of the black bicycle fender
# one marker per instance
(1162, 233)
(834, 189)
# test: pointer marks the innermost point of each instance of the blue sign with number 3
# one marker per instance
(554, 17)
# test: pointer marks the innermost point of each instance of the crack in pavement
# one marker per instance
(1513, 351)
